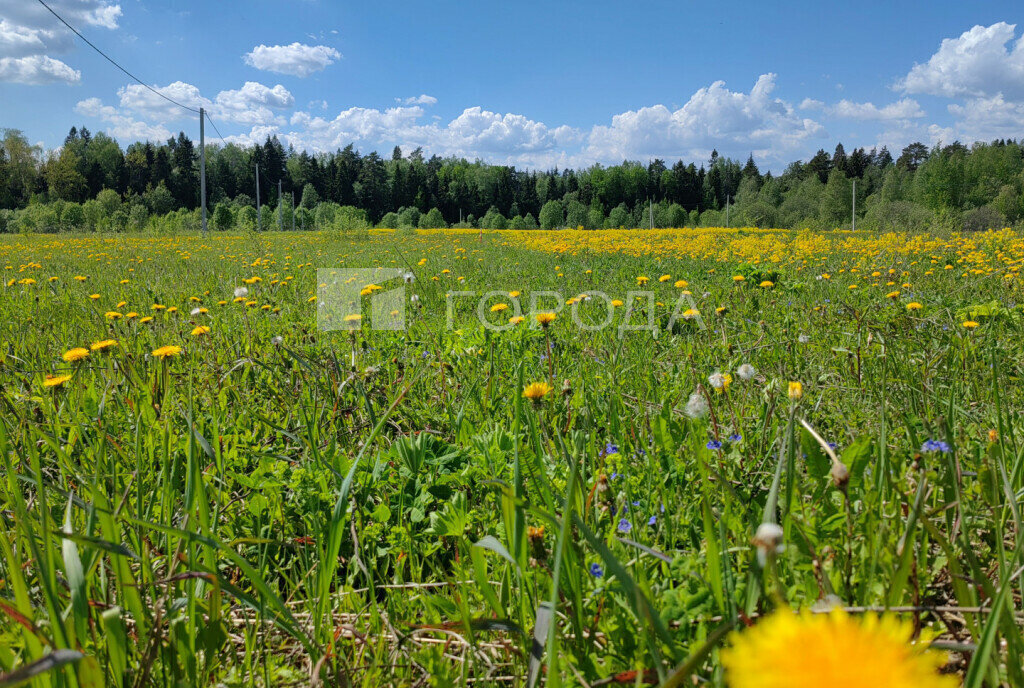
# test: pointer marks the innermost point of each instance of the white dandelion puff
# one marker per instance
(696, 406)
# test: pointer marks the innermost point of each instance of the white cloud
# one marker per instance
(984, 119)
(422, 99)
(976, 64)
(144, 102)
(121, 126)
(297, 59)
(37, 69)
(508, 137)
(905, 108)
(811, 104)
(714, 117)
(256, 136)
(29, 37)
(253, 104)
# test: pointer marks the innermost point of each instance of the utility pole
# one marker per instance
(853, 224)
(202, 164)
(293, 211)
(280, 210)
(259, 218)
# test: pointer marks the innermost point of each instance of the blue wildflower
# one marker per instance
(714, 444)
(652, 520)
(735, 437)
(596, 571)
(935, 446)
(625, 526)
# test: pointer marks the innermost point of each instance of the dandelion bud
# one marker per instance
(840, 474)
(796, 390)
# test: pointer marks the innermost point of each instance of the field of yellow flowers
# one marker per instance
(737, 457)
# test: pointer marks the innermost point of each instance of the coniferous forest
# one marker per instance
(91, 183)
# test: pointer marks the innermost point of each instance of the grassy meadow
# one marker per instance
(200, 487)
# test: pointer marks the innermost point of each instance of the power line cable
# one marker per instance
(207, 113)
(111, 61)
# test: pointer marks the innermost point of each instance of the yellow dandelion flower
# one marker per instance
(795, 390)
(892, 295)
(535, 391)
(200, 330)
(970, 324)
(681, 284)
(80, 278)
(665, 278)
(767, 284)
(103, 345)
(739, 278)
(158, 307)
(513, 294)
(353, 318)
(836, 649)
(499, 307)
(516, 319)
(169, 351)
(914, 306)
(94, 297)
(147, 319)
(641, 280)
(616, 303)
(112, 315)
(56, 380)
(690, 313)
(76, 354)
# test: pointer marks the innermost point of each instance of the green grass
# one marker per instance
(253, 513)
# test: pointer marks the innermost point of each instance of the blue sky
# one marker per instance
(536, 84)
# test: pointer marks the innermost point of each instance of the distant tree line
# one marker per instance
(91, 183)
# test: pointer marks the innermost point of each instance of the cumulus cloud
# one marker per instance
(252, 104)
(977, 64)
(422, 99)
(37, 69)
(714, 117)
(297, 59)
(145, 102)
(476, 132)
(984, 119)
(905, 108)
(120, 125)
(29, 38)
